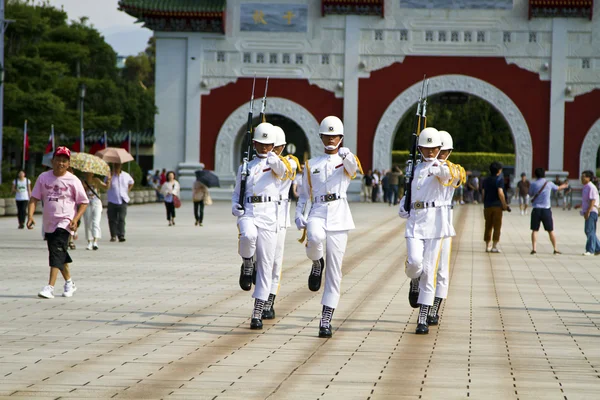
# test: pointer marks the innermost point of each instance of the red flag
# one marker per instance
(126, 144)
(75, 146)
(99, 145)
(50, 145)
(26, 146)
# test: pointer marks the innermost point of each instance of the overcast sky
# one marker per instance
(119, 29)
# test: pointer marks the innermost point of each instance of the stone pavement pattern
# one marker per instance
(162, 316)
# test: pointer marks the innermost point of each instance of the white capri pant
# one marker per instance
(443, 275)
(422, 262)
(262, 243)
(91, 219)
(336, 242)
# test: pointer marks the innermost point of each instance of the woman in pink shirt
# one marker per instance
(65, 202)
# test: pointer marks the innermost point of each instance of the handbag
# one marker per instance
(207, 199)
(176, 201)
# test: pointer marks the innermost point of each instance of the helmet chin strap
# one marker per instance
(261, 155)
(330, 147)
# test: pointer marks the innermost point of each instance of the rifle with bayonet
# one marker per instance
(419, 118)
(263, 118)
(248, 152)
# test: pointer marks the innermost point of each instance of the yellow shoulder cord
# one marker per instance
(307, 169)
(359, 168)
(298, 166)
(288, 169)
(452, 176)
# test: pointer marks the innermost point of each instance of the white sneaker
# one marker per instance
(47, 292)
(69, 289)
(587, 253)
(89, 246)
(494, 250)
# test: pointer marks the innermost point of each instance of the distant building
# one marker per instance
(121, 60)
(363, 61)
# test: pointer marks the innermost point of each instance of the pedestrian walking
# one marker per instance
(170, 190)
(523, 189)
(427, 225)
(119, 186)
(494, 203)
(93, 213)
(368, 186)
(21, 188)
(65, 202)
(200, 196)
(375, 192)
(589, 211)
(283, 219)
(326, 180)
(540, 192)
(394, 176)
(257, 218)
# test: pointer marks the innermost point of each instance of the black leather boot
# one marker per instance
(433, 318)
(269, 311)
(246, 274)
(316, 273)
(413, 293)
(256, 322)
(325, 328)
(422, 328)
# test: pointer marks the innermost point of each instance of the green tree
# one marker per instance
(47, 58)
(475, 125)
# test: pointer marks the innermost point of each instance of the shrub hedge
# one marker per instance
(469, 161)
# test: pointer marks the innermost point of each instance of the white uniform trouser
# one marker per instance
(278, 264)
(422, 262)
(262, 243)
(336, 247)
(443, 275)
(91, 219)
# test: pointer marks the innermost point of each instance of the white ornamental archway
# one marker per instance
(225, 148)
(589, 149)
(384, 135)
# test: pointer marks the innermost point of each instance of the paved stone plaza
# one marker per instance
(162, 316)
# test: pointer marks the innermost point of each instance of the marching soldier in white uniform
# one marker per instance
(258, 218)
(443, 276)
(283, 208)
(325, 181)
(426, 224)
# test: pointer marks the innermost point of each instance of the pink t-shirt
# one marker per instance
(61, 196)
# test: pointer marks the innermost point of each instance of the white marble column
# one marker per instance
(558, 82)
(191, 143)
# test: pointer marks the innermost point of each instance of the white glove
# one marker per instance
(343, 152)
(301, 222)
(401, 211)
(435, 170)
(237, 210)
(272, 158)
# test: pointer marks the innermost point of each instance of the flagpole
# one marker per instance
(129, 149)
(24, 144)
(137, 147)
(105, 140)
(53, 143)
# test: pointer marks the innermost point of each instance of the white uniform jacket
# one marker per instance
(263, 181)
(431, 221)
(327, 177)
(452, 184)
(284, 204)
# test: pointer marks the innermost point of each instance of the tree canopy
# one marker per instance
(47, 58)
(475, 125)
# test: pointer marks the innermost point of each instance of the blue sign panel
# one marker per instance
(264, 17)
(458, 4)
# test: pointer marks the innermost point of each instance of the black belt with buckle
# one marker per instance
(258, 199)
(418, 205)
(328, 197)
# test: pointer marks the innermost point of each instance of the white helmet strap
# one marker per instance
(331, 147)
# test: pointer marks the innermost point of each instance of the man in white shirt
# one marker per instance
(258, 217)
(325, 181)
(119, 186)
(427, 224)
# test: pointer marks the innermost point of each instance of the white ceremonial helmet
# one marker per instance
(447, 143)
(265, 133)
(331, 126)
(430, 137)
(279, 136)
